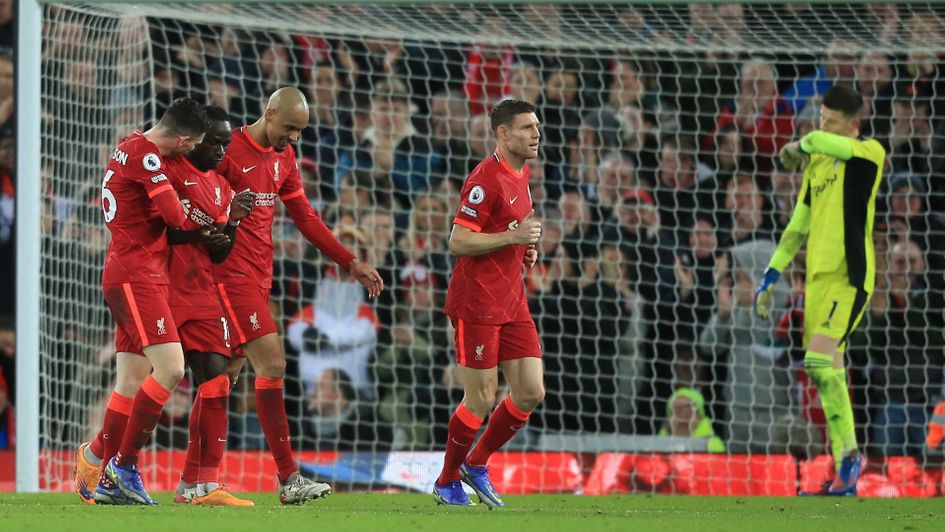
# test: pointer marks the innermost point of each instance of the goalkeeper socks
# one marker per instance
(192, 464)
(270, 408)
(106, 443)
(214, 394)
(506, 420)
(462, 431)
(835, 398)
(145, 414)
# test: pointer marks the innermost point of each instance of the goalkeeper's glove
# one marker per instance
(763, 293)
(792, 157)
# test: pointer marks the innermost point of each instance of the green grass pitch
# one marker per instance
(543, 513)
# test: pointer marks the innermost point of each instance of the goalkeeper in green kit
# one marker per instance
(834, 215)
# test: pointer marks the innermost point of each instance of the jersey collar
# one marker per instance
(252, 141)
(505, 165)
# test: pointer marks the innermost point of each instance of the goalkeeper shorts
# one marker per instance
(832, 307)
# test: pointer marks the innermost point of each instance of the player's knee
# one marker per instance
(529, 398)
(271, 367)
(480, 400)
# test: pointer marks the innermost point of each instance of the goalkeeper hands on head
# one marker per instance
(763, 293)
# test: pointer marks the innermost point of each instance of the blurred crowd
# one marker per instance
(658, 188)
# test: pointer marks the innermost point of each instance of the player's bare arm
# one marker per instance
(465, 242)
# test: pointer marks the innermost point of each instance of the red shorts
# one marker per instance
(141, 314)
(205, 330)
(481, 346)
(246, 307)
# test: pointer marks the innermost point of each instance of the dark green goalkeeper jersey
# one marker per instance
(835, 209)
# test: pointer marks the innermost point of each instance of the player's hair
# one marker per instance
(844, 99)
(185, 117)
(217, 114)
(504, 112)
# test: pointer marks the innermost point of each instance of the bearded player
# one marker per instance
(139, 206)
(834, 216)
(261, 159)
(207, 237)
(494, 234)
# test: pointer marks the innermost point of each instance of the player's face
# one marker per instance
(833, 121)
(285, 126)
(209, 153)
(522, 136)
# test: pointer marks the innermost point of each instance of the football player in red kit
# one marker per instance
(494, 235)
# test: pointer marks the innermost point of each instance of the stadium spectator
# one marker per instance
(746, 212)
(910, 134)
(785, 187)
(758, 376)
(694, 269)
(487, 69)
(581, 232)
(724, 155)
(372, 61)
(923, 70)
(525, 83)
(338, 330)
(874, 77)
(686, 418)
(616, 177)
(839, 66)
(684, 185)
(598, 138)
(425, 242)
(449, 128)
(481, 142)
(909, 218)
(762, 117)
(902, 344)
(560, 124)
(338, 418)
(409, 363)
(392, 147)
(329, 130)
(7, 102)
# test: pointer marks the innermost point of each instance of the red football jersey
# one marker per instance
(269, 174)
(190, 268)
(490, 289)
(138, 250)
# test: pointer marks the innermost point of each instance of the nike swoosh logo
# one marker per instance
(512, 201)
(190, 183)
(249, 168)
(460, 444)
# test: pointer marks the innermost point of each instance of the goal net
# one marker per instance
(660, 197)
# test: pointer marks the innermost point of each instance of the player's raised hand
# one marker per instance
(242, 205)
(531, 257)
(763, 293)
(367, 276)
(213, 239)
(528, 231)
(792, 157)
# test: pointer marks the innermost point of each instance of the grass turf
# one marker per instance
(62, 512)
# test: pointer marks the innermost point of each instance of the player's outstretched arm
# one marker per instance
(314, 229)
(829, 144)
(465, 242)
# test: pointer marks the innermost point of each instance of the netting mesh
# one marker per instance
(657, 186)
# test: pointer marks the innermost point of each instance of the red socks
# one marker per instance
(215, 394)
(505, 421)
(145, 414)
(106, 443)
(192, 464)
(270, 407)
(462, 431)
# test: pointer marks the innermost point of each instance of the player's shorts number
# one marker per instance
(109, 204)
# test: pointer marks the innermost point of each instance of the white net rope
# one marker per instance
(657, 186)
